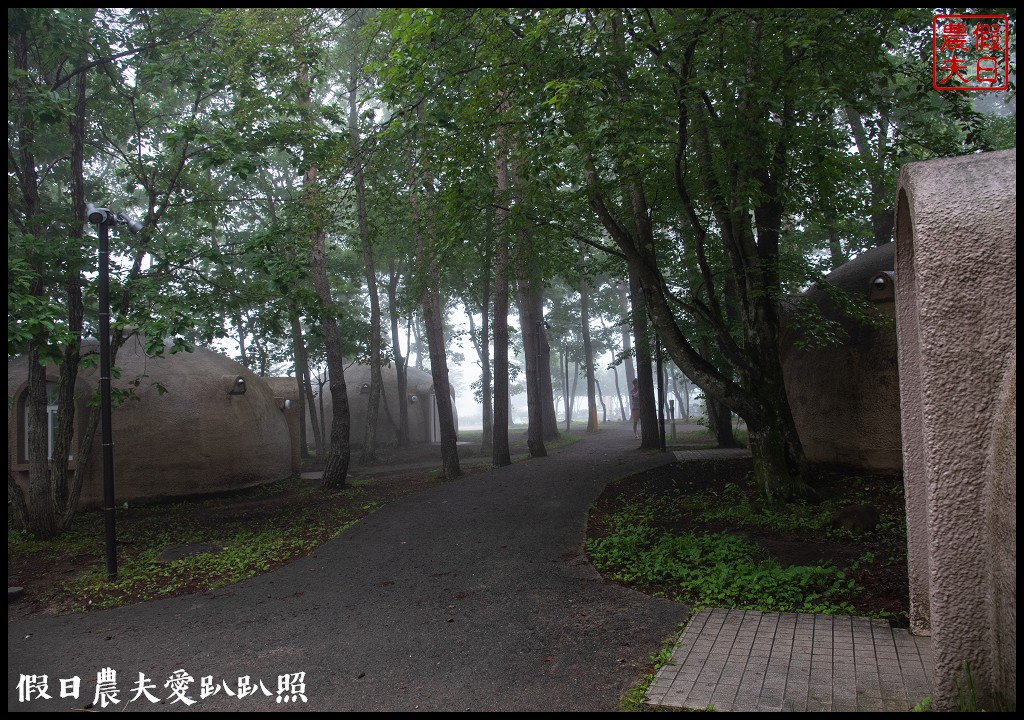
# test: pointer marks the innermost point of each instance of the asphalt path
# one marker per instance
(475, 595)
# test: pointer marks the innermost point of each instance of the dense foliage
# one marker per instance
(286, 164)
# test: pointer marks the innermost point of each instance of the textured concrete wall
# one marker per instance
(1000, 503)
(195, 439)
(286, 393)
(420, 385)
(956, 311)
(845, 397)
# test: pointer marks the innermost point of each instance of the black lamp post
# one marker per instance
(103, 219)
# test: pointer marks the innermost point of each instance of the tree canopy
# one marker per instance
(287, 165)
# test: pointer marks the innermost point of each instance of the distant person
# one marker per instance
(634, 406)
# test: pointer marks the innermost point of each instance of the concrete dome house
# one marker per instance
(218, 427)
(845, 397)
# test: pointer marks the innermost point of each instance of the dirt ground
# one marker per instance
(884, 580)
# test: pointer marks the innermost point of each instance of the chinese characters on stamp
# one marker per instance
(970, 52)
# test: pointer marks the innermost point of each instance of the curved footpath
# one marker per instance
(475, 595)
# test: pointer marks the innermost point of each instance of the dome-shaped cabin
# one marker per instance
(845, 397)
(218, 427)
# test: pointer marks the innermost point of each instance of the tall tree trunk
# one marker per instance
(483, 350)
(531, 319)
(417, 339)
(627, 331)
(306, 397)
(236, 320)
(301, 381)
(339, 452)
(649, 436)
(883, 217)
(500, 453)
(67, 485)
(321, 381)
(42, 514)
(411, 342)
(532, 333)
(835, 245)
(369, 453)
(719, 415)
(433, 319)
(568, 392)
(683, 398)
(41, 520)
(572, 395)
(547, 384)
(588, 350)
(53, 488)
(720, 423)
(686, 397)
(618, 392)
(401, 372)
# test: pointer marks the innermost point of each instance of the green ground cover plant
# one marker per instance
(700, 533)
(717, 570)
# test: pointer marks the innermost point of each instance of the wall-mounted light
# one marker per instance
(365, 389)
(883, 286)
(238, 386)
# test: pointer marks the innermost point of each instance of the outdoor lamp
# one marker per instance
(133, 225)
(103, 219)
(97, 216)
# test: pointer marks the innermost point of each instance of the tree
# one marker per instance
(649, 438)
(73, 74)
(721, 158)
(280, 72)
(733, 94)
(530, 305)
(481, 339)
(698, 138)
(433, 318)
(466, 85)
(588, 350)
(339, 450)
(401, 363)
(357, 161)
(500, 454)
